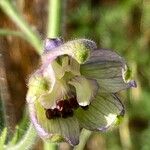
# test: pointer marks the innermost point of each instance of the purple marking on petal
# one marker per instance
(103, 129)
(132, 83)
(39, 129)
(122, 113)
(51, 43)
(42, 133)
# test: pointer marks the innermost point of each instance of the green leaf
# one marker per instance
(15, 137)
(3, 138)
(5, 32)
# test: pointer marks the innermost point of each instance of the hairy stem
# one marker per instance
(26, 142)
(54, 19)
(85, 134)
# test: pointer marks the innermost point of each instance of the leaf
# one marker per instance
(3, 138)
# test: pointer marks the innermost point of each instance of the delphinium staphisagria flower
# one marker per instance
(74, 88)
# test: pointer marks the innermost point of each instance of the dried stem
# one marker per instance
(9, 119)
(16, 17)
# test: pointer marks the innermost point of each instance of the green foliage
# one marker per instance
(20, 130)
(3, 138)
(145, 144)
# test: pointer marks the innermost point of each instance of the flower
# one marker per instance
(75, 88)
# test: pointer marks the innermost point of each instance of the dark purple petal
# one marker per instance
(51, 43)
(73, 103)
(132, 83)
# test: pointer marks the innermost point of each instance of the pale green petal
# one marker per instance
(58, 70)
(86, 89)
(68, 64)
(77, 49)
(107, 68)
(60, 91)
(102, 113)
(37, 86)
(48, 100)
(54, 130)
(49, 74)
(41, 82)
(72, 66)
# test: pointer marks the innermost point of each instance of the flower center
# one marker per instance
(70, 89)
(64, 108)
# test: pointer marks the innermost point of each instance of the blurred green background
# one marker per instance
(120, 25)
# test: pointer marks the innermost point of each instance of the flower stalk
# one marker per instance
(54, 18)
(85, 134)
(5, 32)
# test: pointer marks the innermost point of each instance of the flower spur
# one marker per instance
(75, 88)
